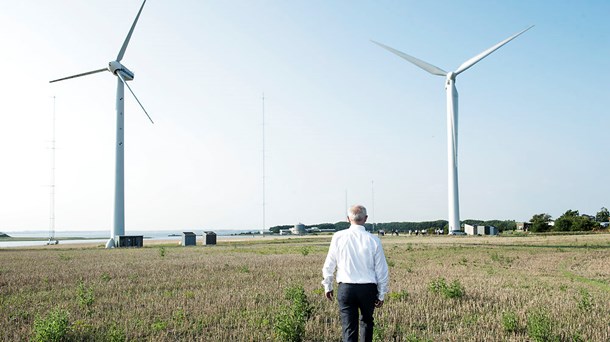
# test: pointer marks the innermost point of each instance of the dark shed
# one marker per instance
(189, 239)
(131, 240)
(209, 238)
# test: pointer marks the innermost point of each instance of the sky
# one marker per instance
(345, 121)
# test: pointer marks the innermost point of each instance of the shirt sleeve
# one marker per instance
(329, 266)
(381, 272)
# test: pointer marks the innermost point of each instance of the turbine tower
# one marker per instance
(123, 75)
(452, 119)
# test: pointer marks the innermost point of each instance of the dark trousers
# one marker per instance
(351, 298)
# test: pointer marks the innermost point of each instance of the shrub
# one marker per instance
(453, 290)
(539, 326)
(85, 296)
(437, 285)
(305, 250)
(54, 327)
(162, 251)
(398, 296)
(290, 323)
(510, 322)
(379, 333)
(584, 303)
(115, 334)
(158, 325)
(106, 277)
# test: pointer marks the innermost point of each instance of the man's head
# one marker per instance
(357, 214)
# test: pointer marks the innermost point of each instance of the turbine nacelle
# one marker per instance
(116, 66)
(450, 78)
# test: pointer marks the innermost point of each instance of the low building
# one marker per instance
(480, 230)
(524, 226)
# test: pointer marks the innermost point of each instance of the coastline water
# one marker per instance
(40, 238)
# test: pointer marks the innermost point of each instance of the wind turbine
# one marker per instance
(123, 75)
(452, 119)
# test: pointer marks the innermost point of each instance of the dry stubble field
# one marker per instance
(554, 288)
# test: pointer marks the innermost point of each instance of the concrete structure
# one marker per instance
(189, 239)
(298, 229)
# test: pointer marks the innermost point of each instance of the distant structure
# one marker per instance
(480, 230)
(130, 241)
(123, 76)
(263, 229)
(52, 239)
(189, 239)
(452, 120)
(209, 238)
(523, 226)
(298, 229)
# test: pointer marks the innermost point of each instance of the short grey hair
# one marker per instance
(357, 213)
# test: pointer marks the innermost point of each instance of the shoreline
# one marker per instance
(28, 243)
(598, 240)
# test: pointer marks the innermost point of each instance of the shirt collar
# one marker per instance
(357, 226)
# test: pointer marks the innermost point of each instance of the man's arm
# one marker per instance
(381, 273)
(328, 269)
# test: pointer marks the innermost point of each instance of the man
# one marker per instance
(362, 275)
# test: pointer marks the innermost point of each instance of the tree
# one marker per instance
(540, 223)
(276, 229)
(341, 225)
(572, 221)
(603, 215)
(584, 223)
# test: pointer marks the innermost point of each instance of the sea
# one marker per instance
(71, 237)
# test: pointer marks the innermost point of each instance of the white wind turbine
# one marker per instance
(452, 119)
(123, 75)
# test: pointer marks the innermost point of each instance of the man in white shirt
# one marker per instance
(362, 275)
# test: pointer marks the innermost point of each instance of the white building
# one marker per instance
(480, 230)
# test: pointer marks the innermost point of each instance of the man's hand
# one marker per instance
(329, 295)
(378, 303)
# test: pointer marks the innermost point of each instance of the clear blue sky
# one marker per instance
(340, 111)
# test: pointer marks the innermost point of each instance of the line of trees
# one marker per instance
(570, 221)
(404, 227)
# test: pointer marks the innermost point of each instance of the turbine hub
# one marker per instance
(116, 66)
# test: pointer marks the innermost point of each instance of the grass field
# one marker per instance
(551, 288)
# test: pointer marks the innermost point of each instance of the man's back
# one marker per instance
(355, 251)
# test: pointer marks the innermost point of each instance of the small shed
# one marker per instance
(131, 241)
(209, 238)
(189, 239)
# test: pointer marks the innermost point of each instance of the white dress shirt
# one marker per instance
(359, 259)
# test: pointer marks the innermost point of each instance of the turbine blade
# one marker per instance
(487, 52)
(426, 66)
(126, 42)
(134, 95)
(79, 75)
